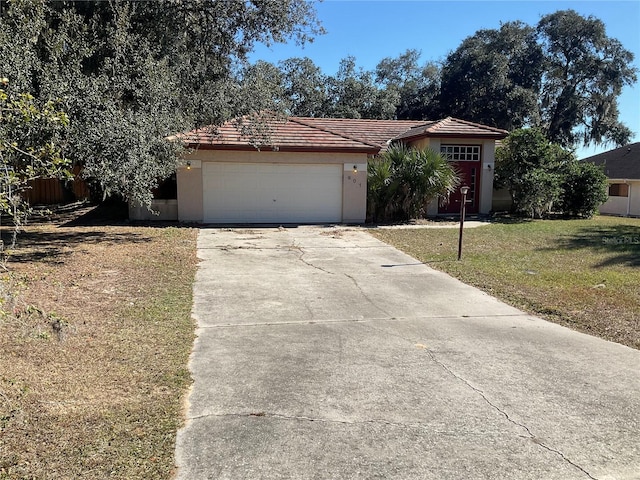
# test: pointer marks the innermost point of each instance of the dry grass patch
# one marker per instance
(95, 335)
(584, 274)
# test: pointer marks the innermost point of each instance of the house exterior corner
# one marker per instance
(622, 168)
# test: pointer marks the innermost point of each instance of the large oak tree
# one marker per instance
(584, 73)
(131, 73)
(494, 77)
(417, 85)
(564, 76)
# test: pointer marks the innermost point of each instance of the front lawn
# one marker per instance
(95, 334)
(584, 274)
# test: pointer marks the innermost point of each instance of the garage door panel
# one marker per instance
(272, 193)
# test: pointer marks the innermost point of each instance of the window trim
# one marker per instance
(461, 153)
(619, 190)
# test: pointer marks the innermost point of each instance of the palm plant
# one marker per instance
(403, 181)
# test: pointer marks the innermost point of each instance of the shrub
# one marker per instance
(584, 189)
(541, 177)
(537, 191)
(403, 181)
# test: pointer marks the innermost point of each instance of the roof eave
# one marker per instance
(272, 148)
(488, 136)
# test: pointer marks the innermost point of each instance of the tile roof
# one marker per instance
(273, 134)
(453, 127)
(328, 134)
(619, 163)
(375, 132)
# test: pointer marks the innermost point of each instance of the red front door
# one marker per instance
(469, 176)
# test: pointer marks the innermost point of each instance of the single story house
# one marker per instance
(313, 170)
(622, 167)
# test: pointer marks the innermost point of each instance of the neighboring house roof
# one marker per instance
(621, 163)
(329, 134)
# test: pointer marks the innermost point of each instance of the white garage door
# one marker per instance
(271, 193)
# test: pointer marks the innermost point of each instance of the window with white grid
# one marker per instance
(461, 153)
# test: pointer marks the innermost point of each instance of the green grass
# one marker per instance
(581, 273)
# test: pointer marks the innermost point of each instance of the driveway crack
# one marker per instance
(286, 417)
(355, 282)
(304, 418)
(310, 311)
(528, 435)
(306, 262)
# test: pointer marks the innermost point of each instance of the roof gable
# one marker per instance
(621, 163)
(453, 127)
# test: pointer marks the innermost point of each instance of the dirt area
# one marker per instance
(95, 333)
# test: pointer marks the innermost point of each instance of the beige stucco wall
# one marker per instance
(354, 193)
(486, 177)
(625, 206)
(423, 143)
(486, 172)
(190, 191)
(634, 198)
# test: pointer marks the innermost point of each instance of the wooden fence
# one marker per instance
(51, 191)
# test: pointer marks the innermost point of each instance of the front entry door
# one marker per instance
(467, 161)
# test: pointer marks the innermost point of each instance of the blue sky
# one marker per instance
(371, 30)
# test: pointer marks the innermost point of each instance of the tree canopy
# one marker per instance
(494, 77)
(353, 94)
(417, 85)
(584, 73)
(305, 87)
(562, 76)
(129, 74)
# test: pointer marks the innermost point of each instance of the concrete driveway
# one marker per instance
(323, 353)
